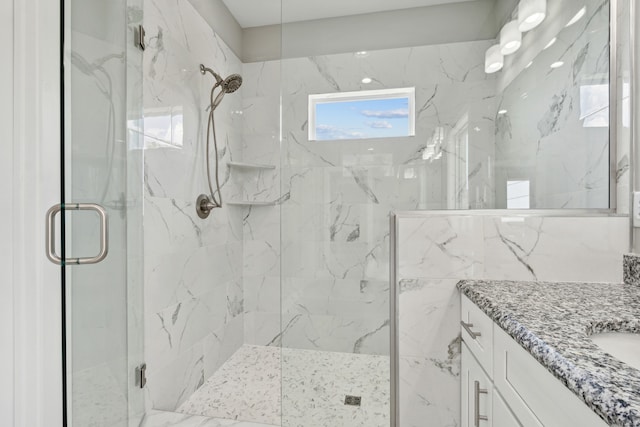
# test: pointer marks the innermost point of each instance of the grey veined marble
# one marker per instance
(553, 321)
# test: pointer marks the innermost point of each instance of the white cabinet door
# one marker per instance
(477, 392)
(502, 415)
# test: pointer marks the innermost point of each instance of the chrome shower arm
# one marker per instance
(204, 70)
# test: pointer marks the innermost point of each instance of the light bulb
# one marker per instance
(531, 13)
(493, 59)
(510, 38)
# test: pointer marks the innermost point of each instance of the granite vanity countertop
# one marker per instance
(553, 321)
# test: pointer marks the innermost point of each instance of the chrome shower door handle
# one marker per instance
(51, 235)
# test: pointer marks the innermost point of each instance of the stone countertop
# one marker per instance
(553, 321)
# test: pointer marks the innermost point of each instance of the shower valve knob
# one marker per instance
(204, 206)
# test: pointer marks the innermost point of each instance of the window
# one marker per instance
(163, 127)
(518, 195)
(594, 105)
(360, 115)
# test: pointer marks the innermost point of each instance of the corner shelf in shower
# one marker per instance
(242, 165)
(249, 203)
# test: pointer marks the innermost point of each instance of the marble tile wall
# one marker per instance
(261, 224)
(554, 132)
(193, 267)
(335, 197)
(438, 249)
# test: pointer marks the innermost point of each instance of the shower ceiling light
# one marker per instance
(578, 16)
(531, 13)
(501, 112)
(493, 59)
(510, 38)
(367, 80)
(557, 64)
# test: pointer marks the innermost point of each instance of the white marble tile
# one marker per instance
(193, 267)
(171, 384)
(441, 247)
(555, 248)
(428, 316)
(262, 328)
(429, 390)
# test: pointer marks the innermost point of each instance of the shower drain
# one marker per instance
(352, 400)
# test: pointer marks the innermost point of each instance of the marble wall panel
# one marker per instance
(335, 197)
(194, 299)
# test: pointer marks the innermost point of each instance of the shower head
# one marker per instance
(228, 85)
(232, 83)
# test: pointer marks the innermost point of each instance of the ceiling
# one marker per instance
(257, 13)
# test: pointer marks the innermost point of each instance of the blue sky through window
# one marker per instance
(374, 118)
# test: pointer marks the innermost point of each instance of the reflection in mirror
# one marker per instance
(552, 111)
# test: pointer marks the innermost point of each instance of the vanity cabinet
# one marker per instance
(502, 385)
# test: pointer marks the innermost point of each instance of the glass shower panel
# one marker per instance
(102, 115)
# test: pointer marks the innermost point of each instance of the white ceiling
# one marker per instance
(256, 13)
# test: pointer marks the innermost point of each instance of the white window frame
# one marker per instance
(362, 95)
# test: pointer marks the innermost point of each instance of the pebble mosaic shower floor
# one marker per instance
(246, 391)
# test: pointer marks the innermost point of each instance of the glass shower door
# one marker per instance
(101, 211)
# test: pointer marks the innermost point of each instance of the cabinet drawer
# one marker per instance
(476, 392)
(502, 415)
(534, 395)
(477, 332)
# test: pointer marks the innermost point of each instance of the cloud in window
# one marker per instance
(329, 132)
(379, 124)
(388, 114)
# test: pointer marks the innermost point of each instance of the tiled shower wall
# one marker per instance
(436, 250)
(336, 196)
(193, 267)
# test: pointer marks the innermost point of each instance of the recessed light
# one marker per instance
(578, 16)
(366, 80)
(557, 64)
(551, 43)
(502, 112)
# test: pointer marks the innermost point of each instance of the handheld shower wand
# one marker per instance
(207, 202)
